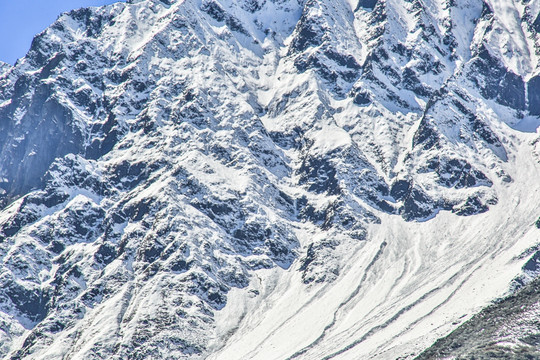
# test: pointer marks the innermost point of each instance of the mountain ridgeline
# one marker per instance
(164, 162)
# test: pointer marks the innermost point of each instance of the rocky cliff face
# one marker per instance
(265, 178)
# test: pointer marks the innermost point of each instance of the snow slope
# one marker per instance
(411, 283)
(266, 179)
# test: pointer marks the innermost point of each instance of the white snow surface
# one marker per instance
(245, 209)
(410, 284)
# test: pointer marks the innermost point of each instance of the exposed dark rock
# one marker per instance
(360, 97)
(400, 189)
(533, 264)
(180, 265)
(25, 215)
(347, 61)
(253, 5)
(308, 33)
(533, 89)
(319, 175)
(215, 10)
(457, 173)
(150, 250)
(106, 136)
(136, 211)
(536, 24)
(105, 254)
(32, 303)
(498, 83)
(338, 214)
(472, 206)
(482, 130)
(347, 69)
(425, 135)
(93, 23)
(308, 259)
(417, 206)
(45, 118)
(51, 65)
(127, 174)
(366, 4)
(411, 82)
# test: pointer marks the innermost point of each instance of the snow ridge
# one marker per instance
(266, 179)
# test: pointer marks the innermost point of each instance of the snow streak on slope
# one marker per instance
(410, 284)
(265, 179)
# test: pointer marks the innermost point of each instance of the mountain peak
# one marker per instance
(265, 179)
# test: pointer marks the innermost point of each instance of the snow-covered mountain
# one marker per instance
(267, 179)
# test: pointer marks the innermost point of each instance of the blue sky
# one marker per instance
(20, 20)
